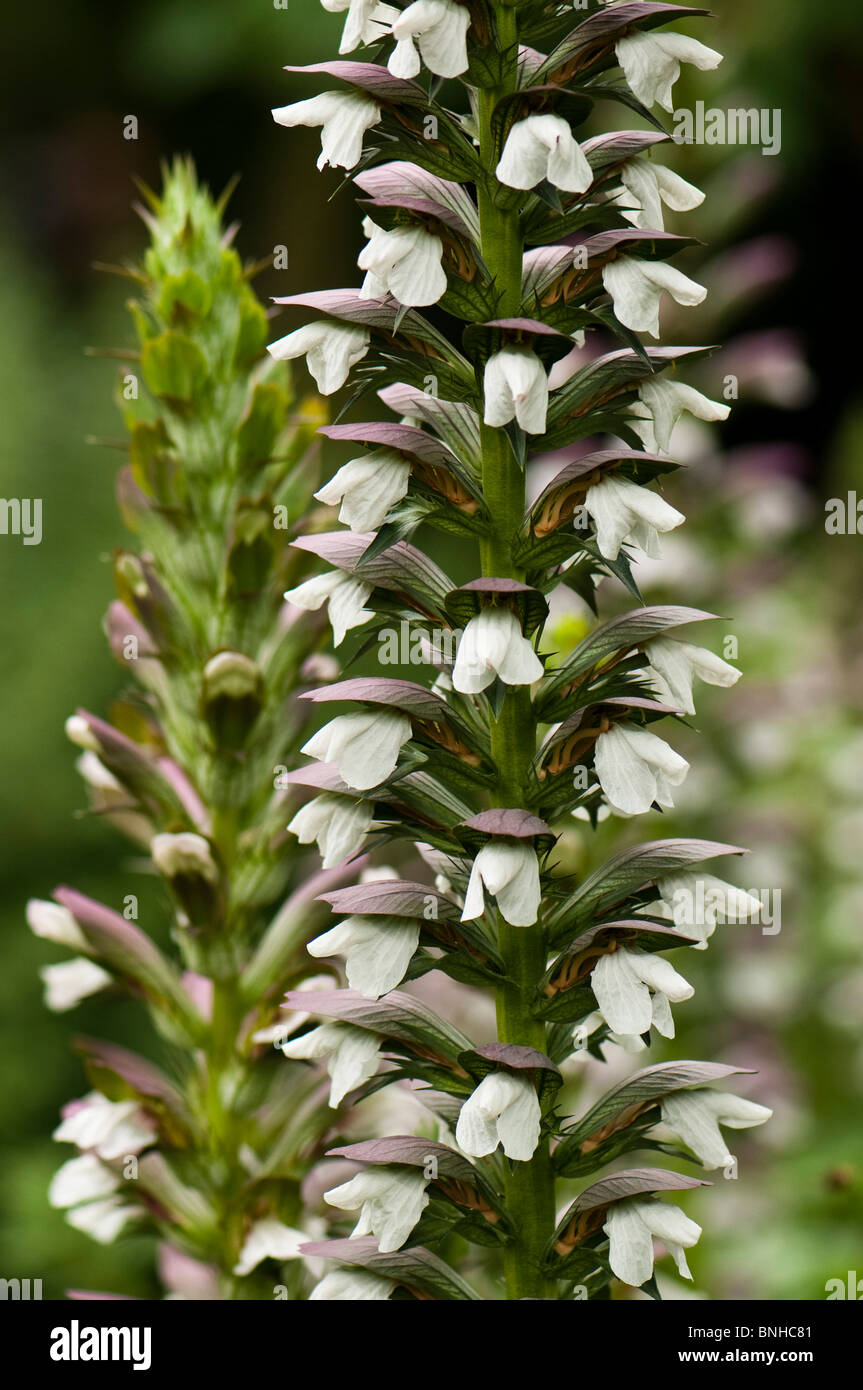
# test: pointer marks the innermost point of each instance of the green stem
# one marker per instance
(529, 1186)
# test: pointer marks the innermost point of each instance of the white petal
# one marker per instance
(365, 746)
(67, 983)
(351, 1285)
(103, 1221)
(269, 1239)
(519, 1124)
(440, 27)
(510, 871)
(391, 1203)
(516, 386)
(368, 487)
(623, 998)
(630, 1252)
(629, 783)
(81, 1180)
(378, 951)
(55, 923)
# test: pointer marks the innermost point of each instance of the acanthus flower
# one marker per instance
(636, 768)
(353, 1055)
(405, 262)
(390, 1202)
(624, 511)
(544, 147)
(504, 1109)
(631, 1226)
(365, 746)
(331, 350)
(636, 287)
(635, 991)
(344, 118)
(367, 487)
(377, 951)
(344, 596)
(438, 29)
(651, 63)
(649, 185)
(509, 871)
(493, 645)
(338, 825)
(366, 22)
(516, 388)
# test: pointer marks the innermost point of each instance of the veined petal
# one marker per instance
(519, 1123)
(378, 951)
(630, 1245)
(440, 28)
(337, 823)
(390, 1202)
(628, 781)
(510, 870)
(365, 746)
(622, 996)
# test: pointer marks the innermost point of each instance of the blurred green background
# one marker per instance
(780, 763)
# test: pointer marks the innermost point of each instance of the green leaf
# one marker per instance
(174, 367)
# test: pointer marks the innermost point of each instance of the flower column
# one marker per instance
(544, 254)
(529, 1186)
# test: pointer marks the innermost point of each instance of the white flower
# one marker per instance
(516, 387)
(631, 1225)
(365, 745)
(71, 981)
(696, 901)
(337, 823)
(354, 1054)
(503, 1109)
(636, 768)
(345, 118)
(367, 21)
(406, 263)
(55, 923)
(330, 350)
(660, 406)
(509, 870)
(440, 30)
(184, 853)
(493, 645)
(111, 1129)
(78, 731)
(544, 147)
(103, 1220)
(636, 287)
(351, 1285)
(345, 596)
(268, 1239)
(651, 63)
(696, 1116)
(634, 990)
(82, 1179)
(623, 511)
(377, 951)
(650, 185)
(674, 666)
(390, 1202)
(367, 488)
